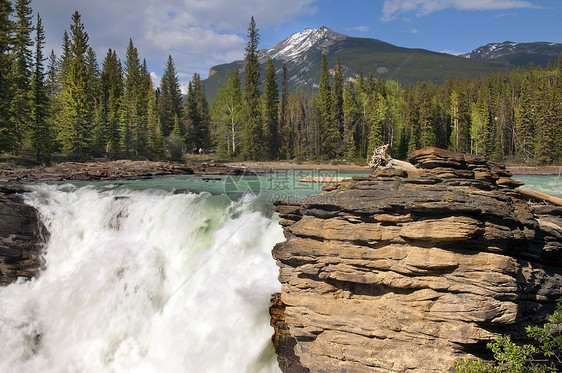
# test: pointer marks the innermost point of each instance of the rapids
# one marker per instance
(144, 281)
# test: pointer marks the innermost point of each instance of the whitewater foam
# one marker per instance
(144, 281)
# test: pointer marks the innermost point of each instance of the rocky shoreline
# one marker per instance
(404, 270)
(412, 268)
(114, 170)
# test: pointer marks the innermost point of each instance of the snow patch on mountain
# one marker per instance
(300, 42)
(494, 51)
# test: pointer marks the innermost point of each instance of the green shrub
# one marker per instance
(544, 355)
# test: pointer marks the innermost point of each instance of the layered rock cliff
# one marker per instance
(21, 236)
(412, 269)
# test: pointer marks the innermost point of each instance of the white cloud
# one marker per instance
(394, 8)
(197, 33)
(361, 28)
(453, 52)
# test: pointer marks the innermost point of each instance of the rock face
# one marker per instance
(21, 236)
(412, 270)
(121, 169)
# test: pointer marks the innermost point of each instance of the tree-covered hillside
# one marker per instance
(74, 107)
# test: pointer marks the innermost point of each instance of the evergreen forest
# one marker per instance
(72, 107)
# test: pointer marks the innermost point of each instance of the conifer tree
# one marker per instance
(111, 86)
(363, 126)
(327, 134)
(170, 97)
(271, 112)
(425, 95)
(546, 118)
(351, 116)
(253, 135)
(145, 96)
(8, 133)
(285, 129)
(197, 114)
(75, 116)
(21, 68)
(41, 139)
(97, 126)
(64, 61)
(524, 121)
(337, 95)
(155, 138)
(130, 118)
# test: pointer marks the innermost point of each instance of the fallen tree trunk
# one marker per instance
(540, 197)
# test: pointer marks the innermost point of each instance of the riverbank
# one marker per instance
(126, 169)
(539, 170)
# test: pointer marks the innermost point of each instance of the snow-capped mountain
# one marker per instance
(321, 38)
(517, 54)
(302, 52)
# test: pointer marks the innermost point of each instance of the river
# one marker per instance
(173, 274)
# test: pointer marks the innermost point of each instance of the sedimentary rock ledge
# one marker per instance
(123, 169)
(411, 269)
(21, 236)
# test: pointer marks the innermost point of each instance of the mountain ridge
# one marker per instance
(517, 54)
(302, 51)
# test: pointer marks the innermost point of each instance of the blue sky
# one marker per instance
(202, 33)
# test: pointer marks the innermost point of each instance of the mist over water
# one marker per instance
(144, 281)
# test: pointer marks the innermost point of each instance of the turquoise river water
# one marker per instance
(171, 274)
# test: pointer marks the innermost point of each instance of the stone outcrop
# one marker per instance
(89, 171)
(21, 236)
(411, 269)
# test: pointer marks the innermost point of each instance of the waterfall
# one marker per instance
(144, 281)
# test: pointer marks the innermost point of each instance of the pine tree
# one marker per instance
(192, 120)
(145, 96)
(285, 128)
(41, 140)
(21, 68)
(547, 119)
(129, 117)
(337, 100)
(197, 114)
(111, 82)
(97, 126)
(271, 112)
(327, 134)
(363, 126)
(426, 99)
(64, 61)
(524, 121)
(154, 146)
(75, 116)
(253, 135)
(170, 97)
(351, 115)
(8, 133)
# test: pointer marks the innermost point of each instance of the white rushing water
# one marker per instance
(144, 281)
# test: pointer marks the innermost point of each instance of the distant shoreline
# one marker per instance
(125, 169)
(538, 170)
